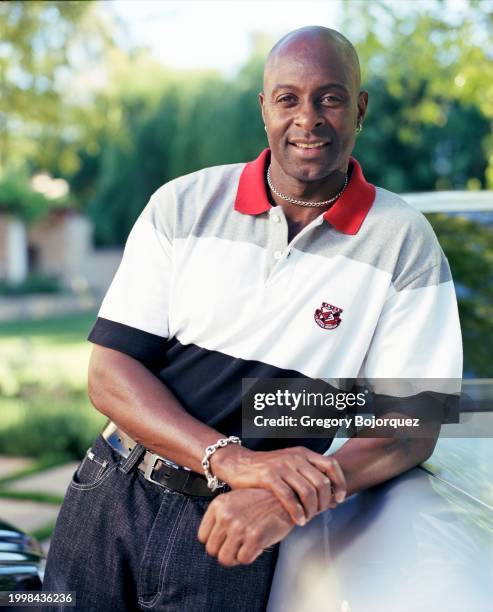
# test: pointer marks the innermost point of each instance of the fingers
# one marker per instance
(227, 554)
(215, 540)
(332, 469)
(225, 541)
(288, 500)
(248, 552)
(248, 519)
(313, 484)
(206, 524)
(250, 544)
(323, 487)
(292, 475)
(305, 491)
(236, 551)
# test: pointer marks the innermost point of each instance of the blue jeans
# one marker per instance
(125, 544)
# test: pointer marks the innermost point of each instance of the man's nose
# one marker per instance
(309, 116)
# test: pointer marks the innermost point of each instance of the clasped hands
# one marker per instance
(272, 491)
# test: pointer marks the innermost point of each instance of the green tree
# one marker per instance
(42, 115)
(19, 199)
(430, 77)
(468, 246)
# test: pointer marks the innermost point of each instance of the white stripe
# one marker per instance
(418, 336)
(139, 293)
(274, 323)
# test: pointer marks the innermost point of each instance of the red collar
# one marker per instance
(346, 215)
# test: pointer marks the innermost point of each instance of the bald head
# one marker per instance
(312, 107)
(323, 44)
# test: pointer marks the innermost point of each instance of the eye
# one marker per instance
(286, 99)
(331, 100)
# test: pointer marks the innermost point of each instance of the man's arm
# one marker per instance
(130, 395)
(137, 401)
(236, 529)
(367, 461)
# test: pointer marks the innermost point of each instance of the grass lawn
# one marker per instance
(45, 412)
(70, 328)
(49, 353)
(43, 378)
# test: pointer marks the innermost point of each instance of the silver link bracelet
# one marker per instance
(212, 481)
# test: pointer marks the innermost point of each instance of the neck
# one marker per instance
(315, 192)
(308, 190)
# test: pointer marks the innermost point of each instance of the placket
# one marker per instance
(279, 250)
(278, 242)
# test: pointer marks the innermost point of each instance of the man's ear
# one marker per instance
(362, 105)
(261, 101)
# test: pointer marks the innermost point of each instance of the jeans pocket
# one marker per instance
(91, 472)
(165, 531)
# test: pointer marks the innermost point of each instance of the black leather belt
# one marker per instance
(158, 469)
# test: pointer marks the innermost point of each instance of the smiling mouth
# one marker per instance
(311, 145)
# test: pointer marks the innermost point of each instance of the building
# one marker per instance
(60, 246)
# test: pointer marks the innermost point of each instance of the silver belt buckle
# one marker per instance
(152, 464)
(150, 469)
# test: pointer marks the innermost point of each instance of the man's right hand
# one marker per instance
(305, 482)
(239, 525)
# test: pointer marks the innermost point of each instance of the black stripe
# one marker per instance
(147, 348)
(209, 385)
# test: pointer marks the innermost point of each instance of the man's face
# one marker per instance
(310, 106)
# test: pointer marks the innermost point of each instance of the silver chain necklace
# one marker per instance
(302, 202)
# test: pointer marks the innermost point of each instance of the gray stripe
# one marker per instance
(436, 275)
(394, 237)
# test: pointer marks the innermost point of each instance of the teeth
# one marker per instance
(315, 145)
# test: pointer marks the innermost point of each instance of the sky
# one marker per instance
(180, 33)
(217, 33)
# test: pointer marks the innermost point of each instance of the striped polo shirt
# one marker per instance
(210, 292)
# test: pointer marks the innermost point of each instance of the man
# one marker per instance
(221, 279)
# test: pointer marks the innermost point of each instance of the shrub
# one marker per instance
(34, 283)
(19, 199)
(53, 428)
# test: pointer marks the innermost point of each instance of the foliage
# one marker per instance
(60, 433)
(426, 127)
(19, 199)
(32, 367)
(65, 330)
(43, 397)
(430, 78)
(197, 120)
(469, 247)
(45, 532)
(42, 113)
(34, 283)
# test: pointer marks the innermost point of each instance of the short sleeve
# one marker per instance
(418, 334)
(133, 317)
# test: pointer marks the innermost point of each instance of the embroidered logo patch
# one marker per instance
(328, 316)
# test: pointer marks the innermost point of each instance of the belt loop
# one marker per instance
(135, 456)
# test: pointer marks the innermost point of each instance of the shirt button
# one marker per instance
(275, 218)
(277, 255)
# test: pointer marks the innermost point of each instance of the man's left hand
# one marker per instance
(239, 525)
